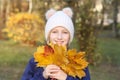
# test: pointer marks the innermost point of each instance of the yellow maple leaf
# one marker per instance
(42, 56)
(79, 62)
(80, 73)
(60, 55)
(70, 61)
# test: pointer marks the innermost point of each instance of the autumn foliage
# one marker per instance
(70, 61)
(25, 27)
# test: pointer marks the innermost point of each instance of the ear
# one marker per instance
(68, 11)
(49, 13)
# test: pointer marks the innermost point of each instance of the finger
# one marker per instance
(54, 70)
(54, 66)
(52, 75)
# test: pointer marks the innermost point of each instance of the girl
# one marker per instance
(59, 30)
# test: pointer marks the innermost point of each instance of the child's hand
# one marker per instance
(50, 70)
(59, 75)
(55, 72)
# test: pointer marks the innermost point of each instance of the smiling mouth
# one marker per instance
(59, 42)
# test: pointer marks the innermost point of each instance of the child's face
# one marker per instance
(60, 36)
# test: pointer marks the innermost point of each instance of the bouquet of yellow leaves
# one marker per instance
(70, 61)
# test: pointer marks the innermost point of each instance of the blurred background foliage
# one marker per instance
(25, 28)
(97, 32)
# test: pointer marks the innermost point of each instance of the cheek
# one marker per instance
(67, 38)
(51, 37)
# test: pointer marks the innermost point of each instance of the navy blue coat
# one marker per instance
(35, 73)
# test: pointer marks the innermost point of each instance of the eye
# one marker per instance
(65, 32)
(54, 31)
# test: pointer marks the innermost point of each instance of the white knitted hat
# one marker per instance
(59, 18)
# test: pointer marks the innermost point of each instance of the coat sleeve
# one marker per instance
(32, 72)
(87, 77)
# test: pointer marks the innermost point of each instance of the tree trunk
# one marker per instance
(2, 16)
(30, 6)
(115, 12)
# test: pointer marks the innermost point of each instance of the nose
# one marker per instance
(59, 35)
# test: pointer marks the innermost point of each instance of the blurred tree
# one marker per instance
(30, 6)
(2, 16)
(25, 28)
(111, 8)
(115, 13)
(6, 8)
(85, 24)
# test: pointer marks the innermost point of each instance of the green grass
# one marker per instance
(109, 68)
(110, 50)
(105, 72)
(14, 58)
